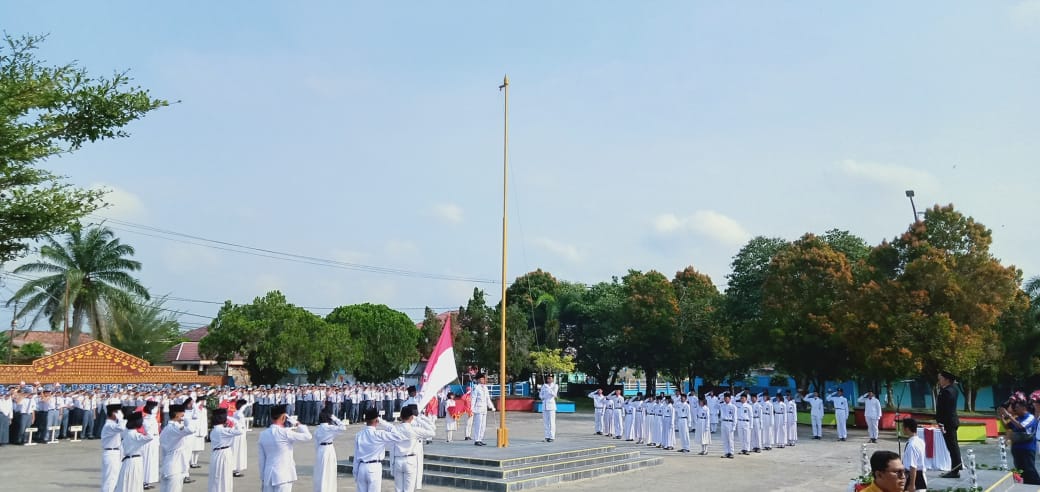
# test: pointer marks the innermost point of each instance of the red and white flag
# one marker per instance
(440, 368)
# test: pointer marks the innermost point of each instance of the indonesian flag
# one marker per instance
(440, 368)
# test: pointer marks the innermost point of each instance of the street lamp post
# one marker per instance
(64, 314)
(503, 432)
(910, 195)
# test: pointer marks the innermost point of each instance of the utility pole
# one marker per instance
(14, 324)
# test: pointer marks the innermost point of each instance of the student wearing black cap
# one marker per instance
(946, 417)
(370, 448)
(175, 446)
(221, 463)
(131, 467)
(277, 463)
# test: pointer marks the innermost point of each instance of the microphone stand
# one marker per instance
(898, 421)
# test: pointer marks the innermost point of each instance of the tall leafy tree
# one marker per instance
(474, 325)
(591, 322)
(535, 294)
(649, 312)
(273, 336)
(802, 311)
(429, 333)
(944, 262)
(386, 338)
(47, 111)
(701, 344)
(743, 304)
(95, 267)
(144, 328)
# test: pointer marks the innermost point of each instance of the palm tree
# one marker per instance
(1032, 289)
(143, 328)
(94, 267)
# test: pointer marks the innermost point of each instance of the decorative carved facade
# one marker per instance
(95, 362)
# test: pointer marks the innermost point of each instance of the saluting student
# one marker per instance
(131, 472)
(176, 442)
(369, 449)
(704, 425)
(325, 464)
(277, 463)
(841, 412)
(222, 438)
(111, 448)
(599, 403)
(548, 394)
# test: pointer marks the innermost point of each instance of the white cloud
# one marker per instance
(266, 282)
(1026, 14)
(447, 212)
(568, 251)
(122, 204)
(892, 176)
(707, 223)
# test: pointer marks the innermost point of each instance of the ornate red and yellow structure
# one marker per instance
(96, 363)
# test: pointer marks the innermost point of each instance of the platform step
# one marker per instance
(570, 473)
(531, 469)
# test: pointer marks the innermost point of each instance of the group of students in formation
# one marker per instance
(752, 422)
(159, 442)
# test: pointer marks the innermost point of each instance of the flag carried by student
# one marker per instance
(440, 368)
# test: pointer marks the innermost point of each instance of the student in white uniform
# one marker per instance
(744, 414)
(780, 421)
(131, 468)
(548, 393)
(111, 447)
(841, 412)
(727, 416)
(704, 425)
(176, 442)
(768, 422)
(816, 414)
(792, 421)
(914, 457)
(481, 405)
(405, 454)
(451, 422)
(683, 420)
(150, 453)
(238, 446)
(277, 464)
(756, 424)
(329, 427)
(222, 439)
(872, 414)
(599, 403)
(369, 449)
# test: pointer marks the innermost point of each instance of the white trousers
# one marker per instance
(549, 423)
(469, 425)
(767, 431)
(727, 437)
(792, 429)
(684, 433)
(872, 426)
(172, 483)
(617, 425)
(368, 477)
(756, 433)
(479, 426)
(744, 434)
(817, 425)
(843, 419)
(598, 415)
(109, 470)
(405, 474)
(781, 432)
(637, 426)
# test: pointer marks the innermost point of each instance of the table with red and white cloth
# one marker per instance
(936, 456)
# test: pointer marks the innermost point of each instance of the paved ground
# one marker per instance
(812, 465)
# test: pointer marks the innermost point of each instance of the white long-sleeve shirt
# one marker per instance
(871, 407)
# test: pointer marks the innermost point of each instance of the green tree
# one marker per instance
(853, 247)
(592, 320)
(387, 338)
(272, 336)
(534, 293)
(519, 343)
(94, 266)
(701, 344)
(143, 328)
(46, 111)
(943, 262)
(31, 351)
(429, 333)
(552, 362)
(649, 312)
(337, 351)
(743, 303)
(474, 326)
(803, 305)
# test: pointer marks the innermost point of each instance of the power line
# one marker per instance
(196, 240)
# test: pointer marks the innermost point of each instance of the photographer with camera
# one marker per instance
(1021, 431)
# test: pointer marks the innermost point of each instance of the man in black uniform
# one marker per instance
(946, 416)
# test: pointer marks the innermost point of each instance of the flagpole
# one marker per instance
(503, 432)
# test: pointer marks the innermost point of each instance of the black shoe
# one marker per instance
(147, 486)
(618, 437)
(758, 450)
(552, 440)
(194, 466)
(468, 439)
(730, 456)
(951, 474)
(237, 474)
(599, 433)
(189, 480)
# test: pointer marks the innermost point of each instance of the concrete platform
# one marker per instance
(525, 464)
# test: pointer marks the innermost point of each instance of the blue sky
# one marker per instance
(649, 135)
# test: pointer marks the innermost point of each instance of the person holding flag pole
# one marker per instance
(440, 371)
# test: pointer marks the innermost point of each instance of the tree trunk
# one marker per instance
(77, 325)
(651, 380)
(890, 395)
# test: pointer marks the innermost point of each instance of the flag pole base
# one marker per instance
(503, 437)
